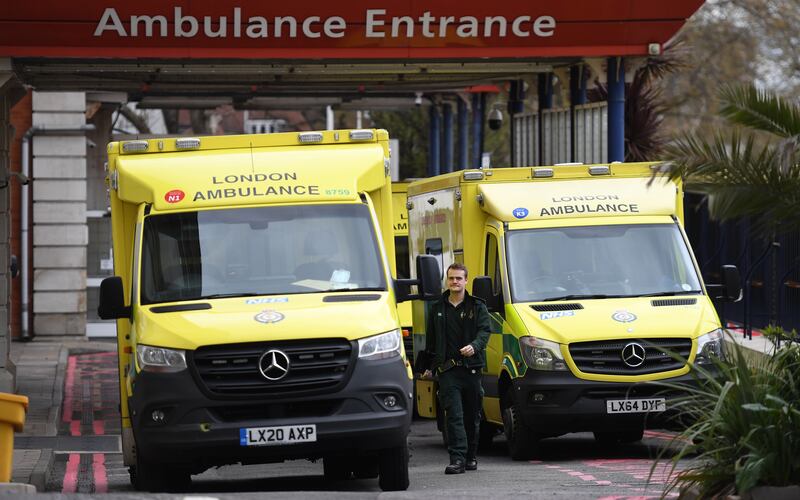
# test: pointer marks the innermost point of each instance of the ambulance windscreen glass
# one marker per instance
(626, 260)
(259, 251)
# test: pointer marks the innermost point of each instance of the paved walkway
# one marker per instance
(45, 366)
(41, 371)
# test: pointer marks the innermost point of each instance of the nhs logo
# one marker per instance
(556, 314)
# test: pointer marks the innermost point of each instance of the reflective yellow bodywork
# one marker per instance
(400, 226)
(466, 210)
(243, 171)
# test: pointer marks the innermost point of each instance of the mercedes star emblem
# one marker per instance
(274, 365)
(633, 355)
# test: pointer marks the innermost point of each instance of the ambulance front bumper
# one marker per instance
(556, 403)
(198, 431)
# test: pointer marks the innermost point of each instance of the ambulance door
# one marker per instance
(491, 266)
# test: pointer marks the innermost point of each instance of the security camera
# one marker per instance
(418, 99)
(495, 119)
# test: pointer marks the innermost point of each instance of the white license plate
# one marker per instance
(275, 436)
(636, 405)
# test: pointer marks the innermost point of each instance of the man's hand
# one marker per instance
(427, 374)
(467, 350)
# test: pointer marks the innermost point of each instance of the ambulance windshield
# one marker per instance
(599, 262)
(259, 251)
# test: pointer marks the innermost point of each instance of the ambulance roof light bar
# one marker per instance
(361, 135)
(135, 146)
(187, 143)
(473, 175)
(310, 137)
(600, 170)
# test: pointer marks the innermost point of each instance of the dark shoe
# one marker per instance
(455, 467)
(472, 464)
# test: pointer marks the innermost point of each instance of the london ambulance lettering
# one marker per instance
(256, 185)
(588, 204)
(403, 224)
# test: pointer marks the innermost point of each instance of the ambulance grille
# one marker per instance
(314, 366)
(673, 302)
(605, 356)
(556, 307)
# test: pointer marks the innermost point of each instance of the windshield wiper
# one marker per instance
(667, 294)
(227, 295)
(604, 296)
(584, 296)
(360, 289)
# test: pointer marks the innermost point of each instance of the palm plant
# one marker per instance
(746, 425)
(752, 170)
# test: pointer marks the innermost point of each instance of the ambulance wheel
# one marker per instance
(619, 437)
(521, 441)
(486, 435)
(393, 469)
(337, 468)
(365, 467)
(156, 478)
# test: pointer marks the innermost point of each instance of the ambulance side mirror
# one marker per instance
(112, 299)
(730, 289)
(482, 288)
(731, 283)
(428, 281)
(429, 277)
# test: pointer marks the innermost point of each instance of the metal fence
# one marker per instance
(588, 143)
(526, 140)
(770, 273)
(591, 132)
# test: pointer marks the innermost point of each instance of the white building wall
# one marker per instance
(60, 232)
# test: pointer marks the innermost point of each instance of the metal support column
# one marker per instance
(545, 87)
(447, 137)
(434, 141)
(478, 105)
(616, 109)
(516, 105)
(577, 96)
(463, 135)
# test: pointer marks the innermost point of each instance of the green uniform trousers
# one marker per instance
(461, 393)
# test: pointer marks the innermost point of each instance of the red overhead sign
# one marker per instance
(354, 29)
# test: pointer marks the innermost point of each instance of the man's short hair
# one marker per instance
(458, 266)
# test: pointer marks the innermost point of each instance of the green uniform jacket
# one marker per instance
(476, 326)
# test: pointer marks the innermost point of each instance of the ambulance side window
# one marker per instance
(491, 263)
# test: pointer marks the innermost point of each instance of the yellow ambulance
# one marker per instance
(256, 306)
(591, 285)
(402, 260)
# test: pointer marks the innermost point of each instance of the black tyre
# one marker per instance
(619, 437)
(521, 440)
(156, 478)
(365, 467)
(337, 468)
(393, 469)
(486, 435)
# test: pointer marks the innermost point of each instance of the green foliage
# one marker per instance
(751, 170)
(745, 424)
(777, 335)
(410, 127)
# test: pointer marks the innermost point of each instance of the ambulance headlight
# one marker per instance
(710, 346)
(540, 354)
(385, 345)
(159, 359)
